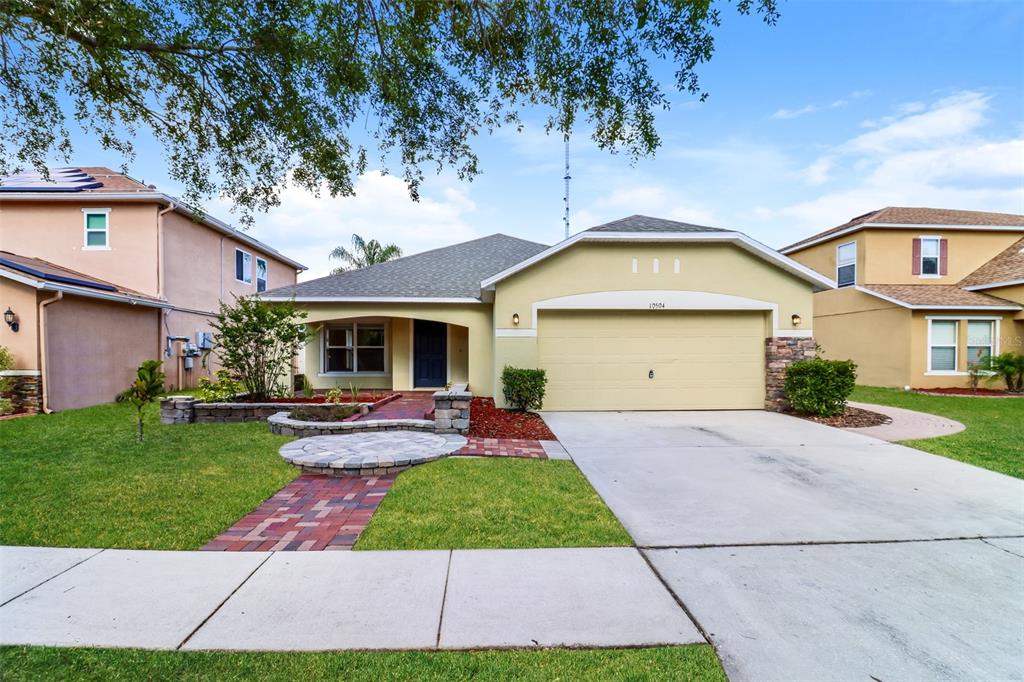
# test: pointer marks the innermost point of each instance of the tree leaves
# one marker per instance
(363, 253)
(241, 94)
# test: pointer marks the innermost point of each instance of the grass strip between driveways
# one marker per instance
(695, 662)
(994, 438)
(78, 478)
(469, 503)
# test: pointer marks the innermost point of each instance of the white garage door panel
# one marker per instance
(600, 360)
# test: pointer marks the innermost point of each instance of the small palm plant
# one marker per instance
(364, 253)
(147, 387)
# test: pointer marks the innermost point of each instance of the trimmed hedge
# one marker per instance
(524, 388)
(820, 387)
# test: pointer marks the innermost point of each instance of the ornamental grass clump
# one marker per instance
(820, 387)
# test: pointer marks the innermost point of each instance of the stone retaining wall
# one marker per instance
(451, 410)
(780, 353)
(26, 395)
(182, 409)
(281, 424)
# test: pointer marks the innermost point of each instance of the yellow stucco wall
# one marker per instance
(890, 254)
(471, 346)
(1010, 339)
(23, 344)
(1012, 293)
(850, 325)
(822, 257)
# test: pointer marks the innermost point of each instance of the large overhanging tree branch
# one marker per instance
(241, 92)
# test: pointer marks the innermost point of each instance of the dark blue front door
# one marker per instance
(429, 354)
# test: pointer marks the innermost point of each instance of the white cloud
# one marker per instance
(785, 114)
(649, 198)
(307, 227)
(949, 118)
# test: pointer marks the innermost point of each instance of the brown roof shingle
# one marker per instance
(897, 215)
(937, 294)
(1006, 267)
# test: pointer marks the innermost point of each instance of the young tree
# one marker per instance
(240, 93)
(257, 341)
(148, 385)
(364, 253)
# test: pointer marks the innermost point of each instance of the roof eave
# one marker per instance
(993, 285)
(44, 285)
(820, 282)
(372, 299)
(800, 246)
(921, 306)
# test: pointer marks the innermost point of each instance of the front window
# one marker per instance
(261, 275)
(96, 232)
(846, 264)
(354, 348)
(930, 255)
(243, 266)
(980, 338)
(942, 346)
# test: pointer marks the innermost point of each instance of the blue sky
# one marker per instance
(841, 108)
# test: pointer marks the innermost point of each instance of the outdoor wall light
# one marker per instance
(796, 320)
(11, 319)
(515, 319)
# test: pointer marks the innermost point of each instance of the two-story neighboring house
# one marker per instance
(99, 272)
(922, 293)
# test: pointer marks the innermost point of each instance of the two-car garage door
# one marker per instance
(652, 360)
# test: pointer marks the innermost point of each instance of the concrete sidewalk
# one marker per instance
(336, 600)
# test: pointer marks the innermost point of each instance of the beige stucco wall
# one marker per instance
(56, 232)
(94, 348)
(24, 345)
(850, 325)
(589, 268)
(470, 342)
(1010, 339)
(1012, 293)
(822, 257)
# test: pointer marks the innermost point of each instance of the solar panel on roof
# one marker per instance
(61, 180)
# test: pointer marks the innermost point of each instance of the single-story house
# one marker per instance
(638, 313)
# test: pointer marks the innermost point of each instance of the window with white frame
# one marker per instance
(930, 256)
(97, 224)
(261, 274)
(846, 264)
(243, 266)
(942, 335)
(351, 348)
(980, 341)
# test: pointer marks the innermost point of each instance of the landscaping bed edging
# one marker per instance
(186, 409)
(282, 424)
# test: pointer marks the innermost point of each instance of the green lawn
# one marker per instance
(697, 663)
(462, 503)
(79, 479)
(994, 438)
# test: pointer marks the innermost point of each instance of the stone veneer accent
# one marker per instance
(283, 425)
(780, 353)
(451, 410)
(26, 395)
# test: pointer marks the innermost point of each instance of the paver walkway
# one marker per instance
(337, 600)
(503, 447)
(412, 405)
(310, 513)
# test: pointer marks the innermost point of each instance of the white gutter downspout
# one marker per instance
(160, 248)
(43, 376)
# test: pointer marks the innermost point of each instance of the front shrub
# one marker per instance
(1009, 367)
(524, 388)
(820, 387)
(226, 388)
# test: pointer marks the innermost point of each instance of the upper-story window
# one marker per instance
(243, 266)
(846, 264)
(930, 256)
(261, 274)
(97, 228)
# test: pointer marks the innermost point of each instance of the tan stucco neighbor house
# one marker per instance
(100, 272)
(922, 292)
(639, 313)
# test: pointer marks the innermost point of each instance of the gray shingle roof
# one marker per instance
(643, 223)
(450, 272)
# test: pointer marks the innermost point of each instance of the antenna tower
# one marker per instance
(567, 178)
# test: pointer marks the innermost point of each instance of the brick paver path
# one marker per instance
(412, 405)
(310, 513)
(502, 447)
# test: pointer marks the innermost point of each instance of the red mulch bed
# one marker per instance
(488, 421)
(851, 418)
(982, 392)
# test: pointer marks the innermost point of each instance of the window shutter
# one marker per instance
(943, 256)
(916, 267)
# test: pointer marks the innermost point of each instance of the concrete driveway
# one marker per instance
(806, 552)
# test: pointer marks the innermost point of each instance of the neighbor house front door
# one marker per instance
(430, 354)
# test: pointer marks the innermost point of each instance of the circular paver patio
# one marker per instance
(369, 453)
